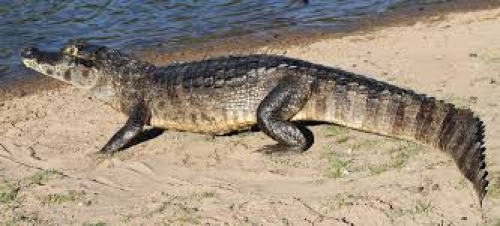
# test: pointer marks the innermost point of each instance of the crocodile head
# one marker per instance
(77, 64)
(65, 65)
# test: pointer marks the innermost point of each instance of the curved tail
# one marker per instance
(461, 135)
(358, 102)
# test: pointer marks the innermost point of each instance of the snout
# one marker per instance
(30, 52)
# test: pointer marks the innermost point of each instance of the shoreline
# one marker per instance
(190, 179)
(284, 39)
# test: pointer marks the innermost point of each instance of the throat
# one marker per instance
(104, 93)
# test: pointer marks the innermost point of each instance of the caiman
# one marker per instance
(221, 95)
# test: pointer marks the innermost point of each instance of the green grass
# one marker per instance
(41, 177)
(420, 207)
(22, 219)
(494, 189)
(378, 169)
(335, 131)
(399, 158)
(125, 219)
(336, 202)
(342, 139)
(209, 194)
(337, 167)
(7, 192)
(462, 184)
(364, 144)
(495, 59)
(60, 198)
(203, 195)
(186, 220)
(184, 214)
(281, 163)
(404, 153)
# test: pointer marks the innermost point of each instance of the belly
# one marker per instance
(215, 122)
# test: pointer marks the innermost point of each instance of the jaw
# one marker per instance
(62, 68)
(66, 69)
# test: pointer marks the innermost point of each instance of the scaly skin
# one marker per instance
(227, 94)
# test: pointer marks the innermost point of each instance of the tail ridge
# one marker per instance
(385, 109)
(465, 143)
(459, 133)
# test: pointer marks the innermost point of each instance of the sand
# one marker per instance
(346, 178)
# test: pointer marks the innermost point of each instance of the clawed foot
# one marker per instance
(279, 148)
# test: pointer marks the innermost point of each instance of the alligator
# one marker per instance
(233, 93)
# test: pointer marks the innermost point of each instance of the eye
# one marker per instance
(82, 51)
(71, 50)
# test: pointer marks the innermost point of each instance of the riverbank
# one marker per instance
(346, 177)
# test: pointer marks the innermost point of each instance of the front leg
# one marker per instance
(276, 110)
(138, 117)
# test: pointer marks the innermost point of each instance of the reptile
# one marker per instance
(226, 94)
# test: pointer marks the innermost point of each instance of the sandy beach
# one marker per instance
(347, 178)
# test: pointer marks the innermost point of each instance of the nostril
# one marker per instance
(29, 52)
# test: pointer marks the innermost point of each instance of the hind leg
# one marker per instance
(276, 110)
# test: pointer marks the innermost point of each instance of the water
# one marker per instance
(137, 24)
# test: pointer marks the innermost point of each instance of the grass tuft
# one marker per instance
(399, 157)
(337, 167)
(335, 130)
(7, 192)
(60, 198)
(420, 207)
(336, 202)
(494, 189)
(41, 177)
(22, 219)
(404, 153)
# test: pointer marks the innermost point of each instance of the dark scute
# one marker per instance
(466, 141)
(446, 128)
(462, 136)
(209, 73)
(271, 62)
(168, 78)
(198, 76)
(400, 114)
(424, 118)
(341, 100)
(180, 72)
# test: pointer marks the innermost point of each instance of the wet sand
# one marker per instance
(347, 177)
